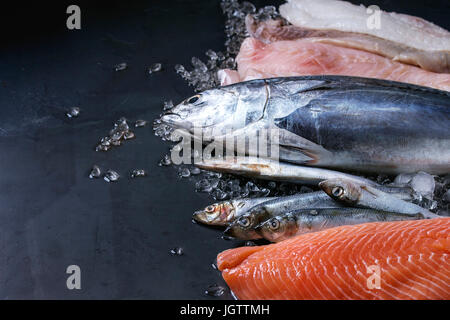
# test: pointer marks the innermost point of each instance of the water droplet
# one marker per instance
(95, 172)
(178, 251)
(128, 135)
(184, 173)
(219, 195)
(73, 112)
(215, 290)
(250, 244)
(155, 68)
(272, 185)
(102, 147)
(121, 66)
(116, 142)
(203, 186)
(168, 105)
(140, 123)
(111, 176)
(138, 173)
(166, 161)
(195, 171)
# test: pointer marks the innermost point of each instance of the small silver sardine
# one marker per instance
(365, 196)
(302, 221)
(244, 226)
(269, 169)
(224, 212)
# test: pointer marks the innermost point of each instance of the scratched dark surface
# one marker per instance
(51, 214)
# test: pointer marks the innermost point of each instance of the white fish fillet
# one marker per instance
(257, 60)
(344, 16)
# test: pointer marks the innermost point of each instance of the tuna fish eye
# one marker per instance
(337, 191)
(274, 224)
(193, 99)
(209, 209)
(244, 222)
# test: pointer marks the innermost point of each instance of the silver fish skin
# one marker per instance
(302, 221)
(336, 122)
(402, 192)
(270, 169)
(365, 196)
(224, 212)
(244, 226)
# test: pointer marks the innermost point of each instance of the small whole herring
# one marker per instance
(361, 195)
(270, 169)
(244, 226)
(302, 221)
(224, 212)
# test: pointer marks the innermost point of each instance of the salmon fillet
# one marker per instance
(303, 57)
(341, 263)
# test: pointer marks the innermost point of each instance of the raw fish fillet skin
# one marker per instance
(257, 60)
(412, 257)
(275, 30)
(341, 15)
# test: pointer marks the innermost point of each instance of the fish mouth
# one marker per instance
(176, 121)
(171, 118)
(201, 217)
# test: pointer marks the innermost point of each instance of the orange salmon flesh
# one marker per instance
(381, 260)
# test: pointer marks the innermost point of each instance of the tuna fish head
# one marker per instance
(342, 190)
(219, 110)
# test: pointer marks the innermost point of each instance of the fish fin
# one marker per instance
(294, 88)
(373, 191)
(294, 148)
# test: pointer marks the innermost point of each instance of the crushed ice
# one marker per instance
(215, 290)
(178, 251)
(121, 66)
(73, 112)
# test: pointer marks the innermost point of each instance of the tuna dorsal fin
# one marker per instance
(294, 148)
(291, 88)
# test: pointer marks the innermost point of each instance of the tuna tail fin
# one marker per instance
(296, 149)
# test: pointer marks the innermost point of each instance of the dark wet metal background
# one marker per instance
(51, 214)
